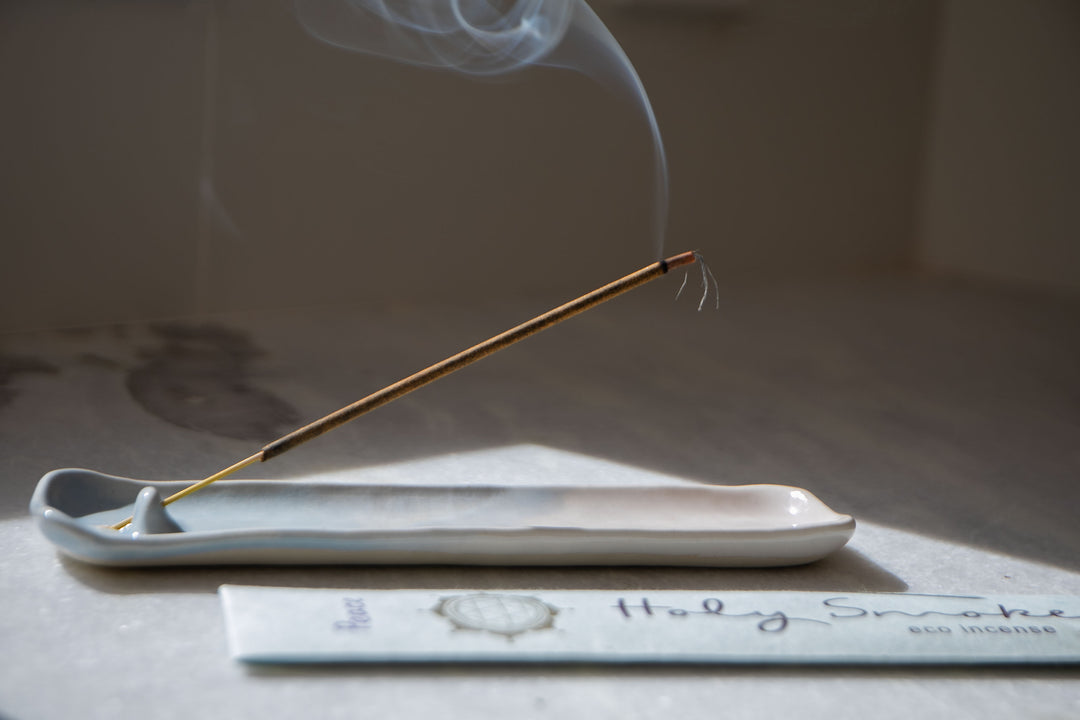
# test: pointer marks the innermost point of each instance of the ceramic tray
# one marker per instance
(281, 522)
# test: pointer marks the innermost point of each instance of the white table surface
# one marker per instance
(945, 418)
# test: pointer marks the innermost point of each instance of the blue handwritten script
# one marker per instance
(999, 610)
(356, 615)
(927, 613)
(769, 621)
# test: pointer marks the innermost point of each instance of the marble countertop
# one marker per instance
(945, 418)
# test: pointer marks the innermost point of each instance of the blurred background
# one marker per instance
(167, 158)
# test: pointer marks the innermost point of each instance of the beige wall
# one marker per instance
(1002, 192)
(794, 138)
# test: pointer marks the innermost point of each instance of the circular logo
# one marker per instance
(507, 615)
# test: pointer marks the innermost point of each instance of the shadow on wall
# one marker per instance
(199, 378)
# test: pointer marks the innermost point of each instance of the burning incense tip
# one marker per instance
(440, 369)
(686, 258)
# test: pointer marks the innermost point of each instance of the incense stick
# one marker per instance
(440, 369)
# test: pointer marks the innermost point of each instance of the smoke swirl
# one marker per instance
(492, 37)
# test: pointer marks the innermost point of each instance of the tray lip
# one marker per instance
(39, 507)
(91, 543)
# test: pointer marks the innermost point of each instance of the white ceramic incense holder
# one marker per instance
(280, 522)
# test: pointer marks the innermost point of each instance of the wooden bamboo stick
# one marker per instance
(441, 369)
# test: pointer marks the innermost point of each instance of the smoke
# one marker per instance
(493, 37)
